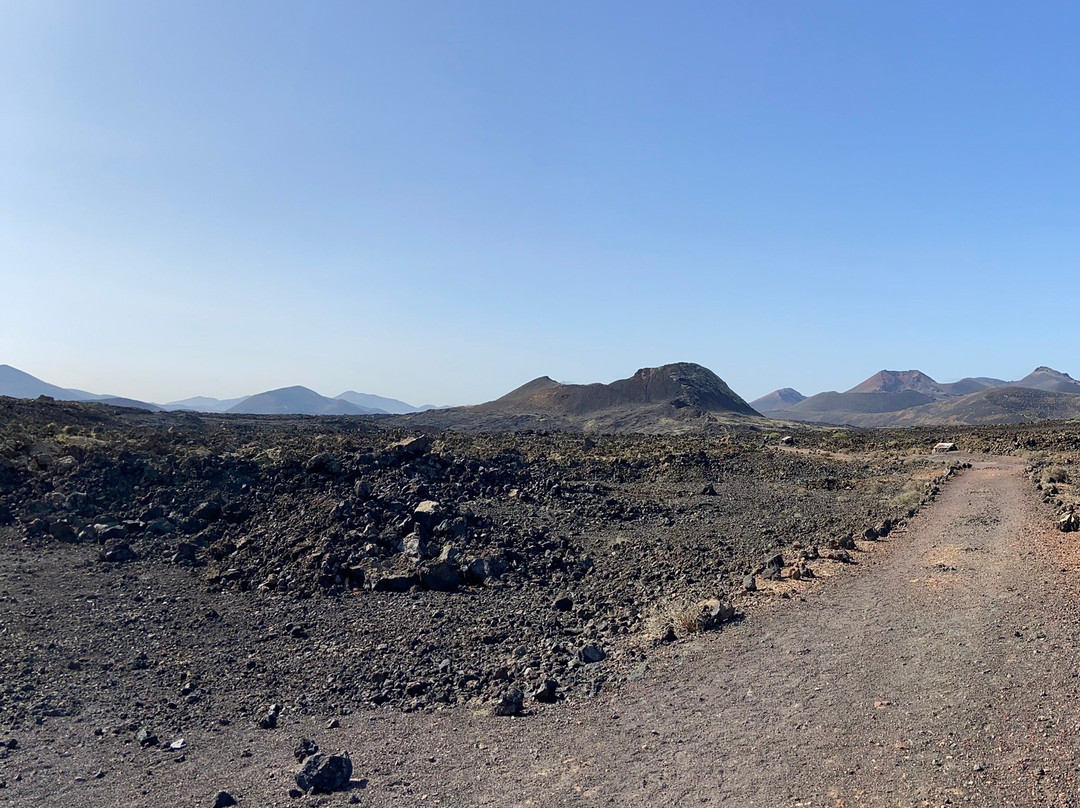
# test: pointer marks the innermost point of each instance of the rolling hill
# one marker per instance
(203, 404)
(296, 400)
(677, 397)
(901, 398)
(998, 405)
(900, 381)
(20, 384)
(377, 404)
(777, 400)
(1054, 381)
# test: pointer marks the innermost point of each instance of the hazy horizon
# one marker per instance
(746, 397)
(438, 202)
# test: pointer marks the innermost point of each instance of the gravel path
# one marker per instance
(940, 671)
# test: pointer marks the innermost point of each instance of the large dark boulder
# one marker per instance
(323, 774)
(442, 576)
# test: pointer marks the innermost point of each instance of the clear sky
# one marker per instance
(439, 201)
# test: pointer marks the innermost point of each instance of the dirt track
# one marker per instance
(943, 671)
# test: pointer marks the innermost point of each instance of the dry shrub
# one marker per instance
(909, 496)
(686, 616)
(1055, 474)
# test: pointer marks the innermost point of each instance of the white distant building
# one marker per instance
(945, 446)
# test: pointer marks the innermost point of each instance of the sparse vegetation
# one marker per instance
(683, 617)
(909, 496)
(1055, 474)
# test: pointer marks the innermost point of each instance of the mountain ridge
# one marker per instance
(676, 397)
(20, 384)
(673, 397)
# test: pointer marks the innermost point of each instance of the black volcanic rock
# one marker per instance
(322, 774)
(541, 546)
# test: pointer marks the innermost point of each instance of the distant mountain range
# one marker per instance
(910, 397)
(284, 401)
(681, 397)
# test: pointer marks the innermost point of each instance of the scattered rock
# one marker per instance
(546, 691)
(269, 719)
(323, 463)
(223, 799)
(773, 568)
(591, 654)
(415, 545)
(482, 569)
(62, 530)
(410, 447)
(428, 514)
(186, 553)
(209, 511)
(304, 749)
(323, 774)
(118, 553)
(109, 533)
(442, 576)
(396, 582)
(510, 702)
(569, 538)
(145, 737)
(844, 543)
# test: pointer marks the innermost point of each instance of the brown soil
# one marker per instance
(941, 671)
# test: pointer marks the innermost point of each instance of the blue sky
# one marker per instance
(440, 201)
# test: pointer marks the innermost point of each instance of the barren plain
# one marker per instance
(531, 618)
